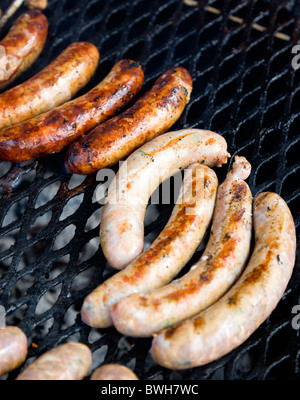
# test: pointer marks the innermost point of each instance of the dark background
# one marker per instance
(244, 88)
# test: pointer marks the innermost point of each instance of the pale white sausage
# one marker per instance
(122, 224)
(231, 320)
(167, 255)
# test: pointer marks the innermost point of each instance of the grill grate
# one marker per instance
(244, 88)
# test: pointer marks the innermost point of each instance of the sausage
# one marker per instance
(52, 131)
(224, 258)
(151, 115)
(230, 321)
(167, 255)
(52, 86)
(41, 4)
(122, 227)
(13, 348)
(113, 372)
(68, 361)
(22, 45)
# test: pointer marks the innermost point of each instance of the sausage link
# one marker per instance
(52, 86)
(113, 372)
(22, 45)
(167, 255)
(52, 131)
(40, 4)
(230, 321)
(221, 263)
(122, 221)
(69, 361)
(153, 114)
(13, 348)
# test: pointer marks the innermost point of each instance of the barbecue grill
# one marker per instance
(246, 88)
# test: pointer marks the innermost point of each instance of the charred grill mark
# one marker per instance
(239, 190)
(169, 332)
(86, 144)
(207, 182)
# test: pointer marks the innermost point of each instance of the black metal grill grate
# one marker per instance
(244, 88)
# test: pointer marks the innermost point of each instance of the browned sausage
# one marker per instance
(69, 361)
(22, 45)
(153, 114)
(52, 86)
(231, 320)
(52, 131)
(13, 348)
(113, 372)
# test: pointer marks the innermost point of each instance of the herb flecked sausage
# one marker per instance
(122, 220)
(52, 131)
(168, 254)
(22, 45)
(223, 260)
(13, 348)
(154, 113)
(231, 320)
(52, 86)
(69, 361)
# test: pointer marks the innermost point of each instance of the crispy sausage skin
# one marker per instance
(122, 221)
(22, 45)
(113, 372)
(224, 258)
(230, 321)
(168, 254)
(50, 132)
(52, 86)
(69, 361)
(151, 115)
(13, 348)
